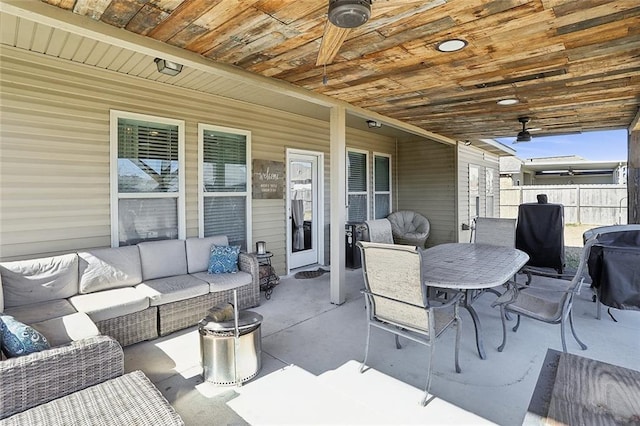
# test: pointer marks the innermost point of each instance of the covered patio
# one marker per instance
(312, 351)
(75, 74)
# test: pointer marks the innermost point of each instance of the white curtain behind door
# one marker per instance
(297, 213)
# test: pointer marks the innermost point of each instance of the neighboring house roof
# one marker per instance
(509, 165)
(563, 164)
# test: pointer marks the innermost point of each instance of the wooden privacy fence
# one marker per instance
(600, 204)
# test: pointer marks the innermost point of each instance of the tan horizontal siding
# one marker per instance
(469, 155)
(426, 183)
(54, 163)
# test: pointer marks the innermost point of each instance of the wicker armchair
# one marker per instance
(409, 228)
(82, 383)
(34, 379)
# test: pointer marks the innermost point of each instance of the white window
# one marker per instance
(147, 178)
(357, 185)
(224, 192)
(381, 185)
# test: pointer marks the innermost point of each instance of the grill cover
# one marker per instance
(614, 267)
(540, 234)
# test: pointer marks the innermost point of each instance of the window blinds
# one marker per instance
(147, 156)
(225, 162)
(357, 172)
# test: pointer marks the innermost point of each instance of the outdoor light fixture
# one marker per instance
(508, 101)
(349, 13)
(261, 247)
(452, 45)
(467, 142)
(374, 124)
(168, 67)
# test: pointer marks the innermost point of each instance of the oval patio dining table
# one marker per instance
(467, 267)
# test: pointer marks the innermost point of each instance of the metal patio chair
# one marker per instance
(397, 302)
(494, 230)
(550, 301)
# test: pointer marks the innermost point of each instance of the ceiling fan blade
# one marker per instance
(331, 42)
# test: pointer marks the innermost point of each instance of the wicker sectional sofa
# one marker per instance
(132, 293)
(79, 383)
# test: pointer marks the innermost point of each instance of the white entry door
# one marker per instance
(303, 207)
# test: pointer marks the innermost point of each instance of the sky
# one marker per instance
(610, 145)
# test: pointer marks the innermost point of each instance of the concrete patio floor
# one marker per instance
(311, 351)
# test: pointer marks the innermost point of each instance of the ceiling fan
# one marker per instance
(344, 15)
(524, 135)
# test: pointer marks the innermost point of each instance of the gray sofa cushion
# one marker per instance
(41, 311)
(172, 289)
(162, 259)
(37, 280)
(109, 268)
(66, 329)
(109, 304)
(220, 282)
(199, 251)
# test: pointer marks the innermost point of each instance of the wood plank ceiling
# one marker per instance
(573, 65)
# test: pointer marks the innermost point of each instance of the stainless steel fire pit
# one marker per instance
(231, 355)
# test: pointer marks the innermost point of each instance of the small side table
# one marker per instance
(268, 277)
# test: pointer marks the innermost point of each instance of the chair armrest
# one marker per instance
(248, 262)
(34, 379)
(455, 299)
(511, 295)
(544, 273)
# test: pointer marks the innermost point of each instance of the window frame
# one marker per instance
(202, 193)
(367, 181)
(390, 191)
(116, 196)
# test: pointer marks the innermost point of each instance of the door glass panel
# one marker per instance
(301, 204)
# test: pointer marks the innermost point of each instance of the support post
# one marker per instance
(633, 177)
(338, 167)
(579, 206)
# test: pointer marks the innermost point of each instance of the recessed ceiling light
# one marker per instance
(451, 45)
(510, 101)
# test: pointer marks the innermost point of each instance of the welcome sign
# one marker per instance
(268, 179)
